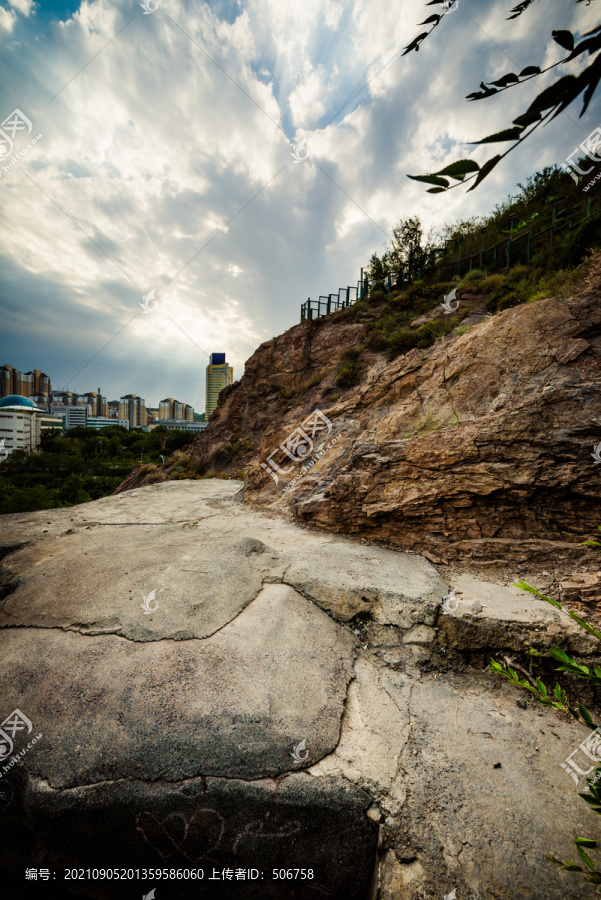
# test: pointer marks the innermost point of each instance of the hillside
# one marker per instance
(472, 447)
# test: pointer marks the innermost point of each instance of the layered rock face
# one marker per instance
(215, 687)
(477, 449)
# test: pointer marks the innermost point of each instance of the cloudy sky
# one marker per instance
(165, 164)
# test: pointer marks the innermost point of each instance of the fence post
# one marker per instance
(508, 251)
(483, 230)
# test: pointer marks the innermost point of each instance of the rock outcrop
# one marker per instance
(476, 450)
(217, 687)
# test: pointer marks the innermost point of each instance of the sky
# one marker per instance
(160, 164)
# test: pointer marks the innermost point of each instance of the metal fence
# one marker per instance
(517, 247)
(314, 309)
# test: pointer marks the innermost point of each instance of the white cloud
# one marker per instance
(25, 7)
(181, 177)
(7, 19)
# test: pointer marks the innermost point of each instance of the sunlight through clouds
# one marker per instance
(166, 163)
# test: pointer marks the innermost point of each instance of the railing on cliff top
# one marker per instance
(314, 309)
(515, 248)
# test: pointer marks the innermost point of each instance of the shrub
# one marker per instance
(348, 369)
(311, 383)
(493, 284)
(401, 341)
(427, 334)
(518, 273)
(354, 312)
(509, 300)
(377, 341)
(473, 278)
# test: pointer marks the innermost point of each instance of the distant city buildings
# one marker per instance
(173, 409)
(133, 409)
(74, 416)
(219, 375)
(105, 422)
(182, 425)
(92, 410)
(23, 384)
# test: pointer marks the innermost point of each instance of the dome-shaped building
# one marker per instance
(22, 424)
(14, 401)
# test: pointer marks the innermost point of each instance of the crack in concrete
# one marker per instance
(179, 782)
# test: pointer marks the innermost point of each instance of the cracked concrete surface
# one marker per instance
(168, 738)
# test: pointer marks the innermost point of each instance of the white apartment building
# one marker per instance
(22, 424)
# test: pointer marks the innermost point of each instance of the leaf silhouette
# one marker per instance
(460, 168)
(527, 119)
(509, 134)
(553, 95)
(529, 70)
(565, 39)
(485, 170)
(520, 8)
(506, 80)
(481, 95)
(430, 179)
(414, 45)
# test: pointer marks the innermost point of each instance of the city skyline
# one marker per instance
(37, 383)
(151, 224)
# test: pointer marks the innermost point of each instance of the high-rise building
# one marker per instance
(173, 409)
(14, 382)
(133, 409)
(41, 383)
(219, 375)
(99, 404)
(6, 381)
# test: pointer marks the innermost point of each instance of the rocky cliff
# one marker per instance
(477, 449)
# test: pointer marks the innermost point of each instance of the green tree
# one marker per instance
(410, 250)
(377, 273)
